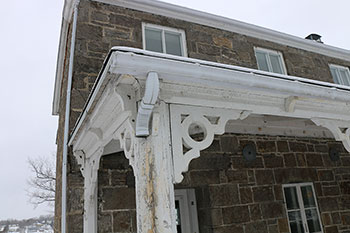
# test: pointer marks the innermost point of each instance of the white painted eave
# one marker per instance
(190, 15)
(213, 77)
(66, 18)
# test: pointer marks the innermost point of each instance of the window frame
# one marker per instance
(164, 29)
(188, 210)
(301, 204)
(339, 67)
(274, 52)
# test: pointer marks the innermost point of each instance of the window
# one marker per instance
(164, 40)
(341, 74)
(302, 210)
(186, 211)
(269, 60)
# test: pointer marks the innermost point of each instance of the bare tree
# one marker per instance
(43, 182)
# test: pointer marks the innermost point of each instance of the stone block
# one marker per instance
(345, 161)
(235, 214)
(124, 21)
(208, 49)
(240, 162)
(314, 160)
(273, 229)
(255, 212)
(266, 146)
(289, 160)
(321, 148)
(229, 144)
(246, 195)
(228, 229)
(272, 210)
(328, 204)
(282, 146)
(200, 178)
(345, 187)
(99, 16)
(271, 161)
(263, 193)
(285, 176)
(223, 195)
(297, 147)
(75, 223)
(326, 219)
(283, 225)
(76, 200)
(104, 223)
(211, 161)
(115, 161)
(336, 218)
(237, 176)
(122, 221)
(332, 229)
(118, 178)
(278, 192)
(330, 190)
(326, 175)
(216, 217)
(255, 227)
(118, 198)
(345, 218)
(264, 177)
(222, 42)
(89, 32)
(103, 178)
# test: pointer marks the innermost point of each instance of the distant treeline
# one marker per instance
(27, 222)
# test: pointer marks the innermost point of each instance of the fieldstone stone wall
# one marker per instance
(238, 196)
(100, 27)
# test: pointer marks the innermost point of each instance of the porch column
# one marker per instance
(155, 203)
(90, 192)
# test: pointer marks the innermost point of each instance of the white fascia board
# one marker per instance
(187, 72)
(203, 18)
(190, 71)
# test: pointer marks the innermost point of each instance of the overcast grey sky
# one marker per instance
(28, 45)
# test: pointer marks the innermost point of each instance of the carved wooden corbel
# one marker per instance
(339, 129)
(207, 121)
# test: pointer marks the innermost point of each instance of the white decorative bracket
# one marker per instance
(340, 130)
(147, 104)
(187, 120)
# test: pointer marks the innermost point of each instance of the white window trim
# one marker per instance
(337, 67)
(163, 29)
(269, 51)
(301, 203)
(188, 210)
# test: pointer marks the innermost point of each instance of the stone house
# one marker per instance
(174, 120)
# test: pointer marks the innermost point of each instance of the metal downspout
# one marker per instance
(66, 122)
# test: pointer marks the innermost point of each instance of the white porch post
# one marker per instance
(153, 171)
(90, 192)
